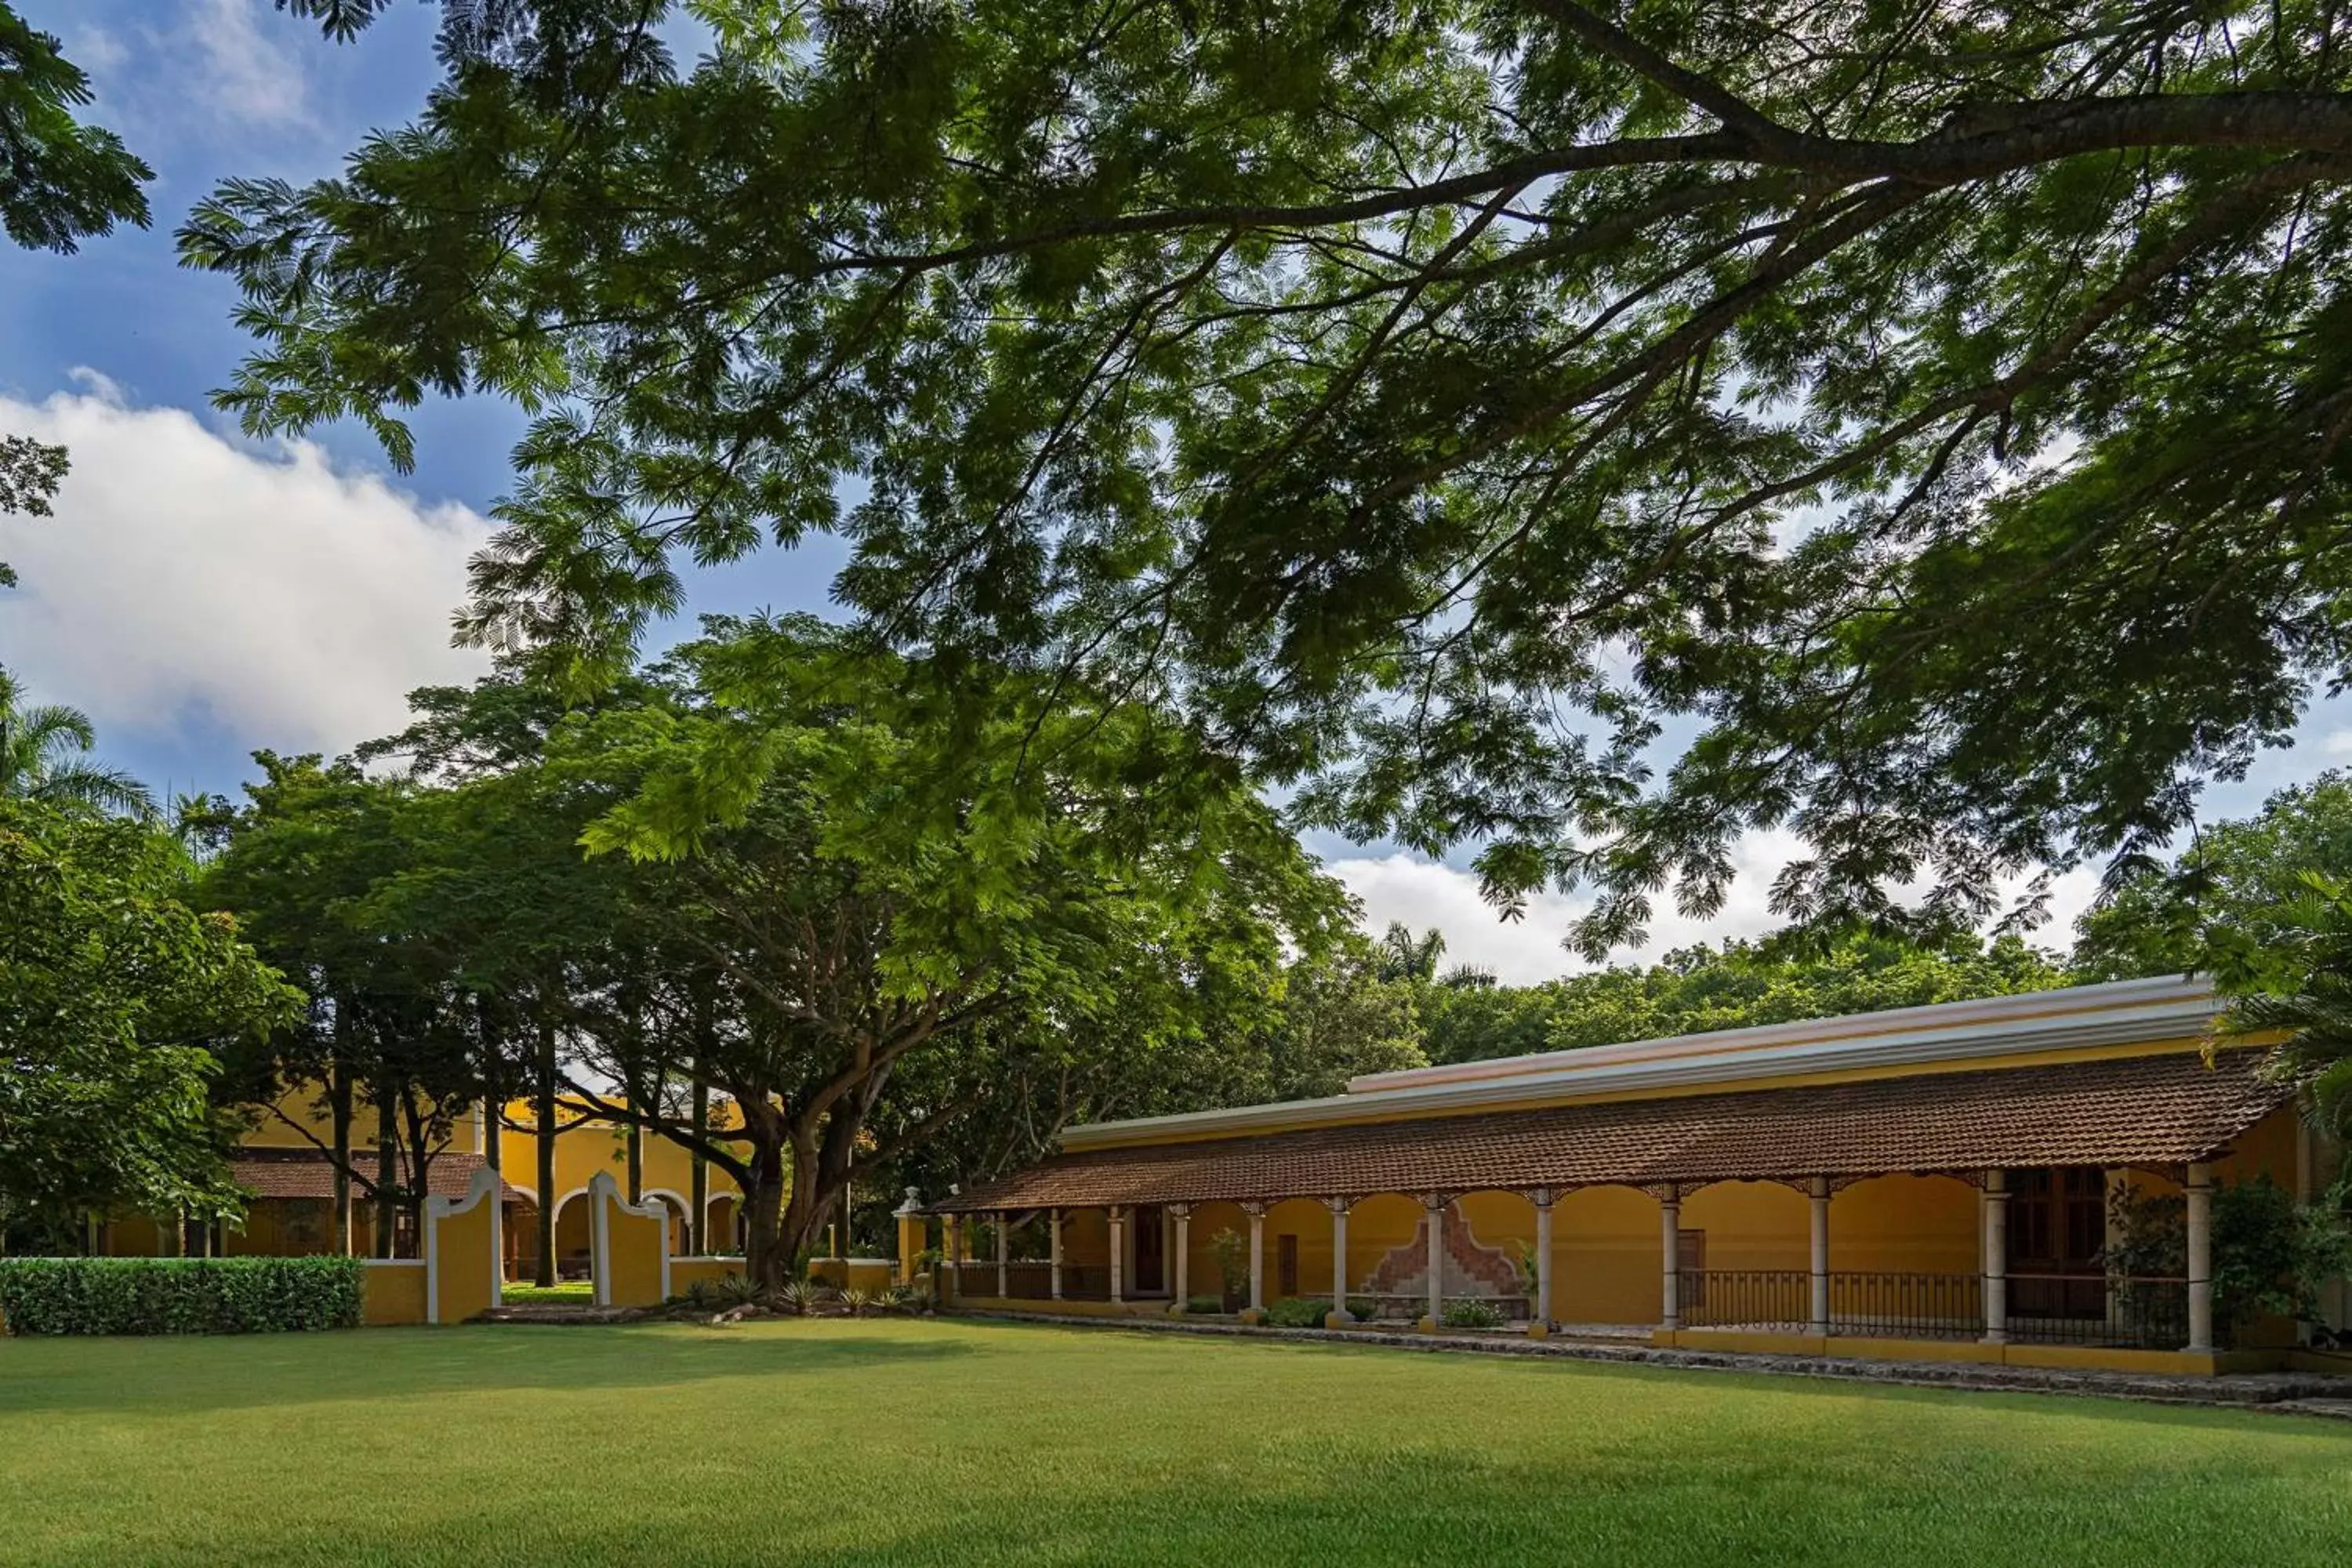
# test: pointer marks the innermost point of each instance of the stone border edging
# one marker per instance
(2244, 1390)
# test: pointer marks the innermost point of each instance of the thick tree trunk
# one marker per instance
(767, 1253)
(544, 1115)
(339, 1114)
(387, 1172)
(636, 1163)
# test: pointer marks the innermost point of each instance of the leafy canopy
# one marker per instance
(1589, 431)
(114, 997)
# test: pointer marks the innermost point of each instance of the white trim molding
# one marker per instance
(2126, 1012)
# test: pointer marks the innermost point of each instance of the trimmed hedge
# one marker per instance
(179, 1295)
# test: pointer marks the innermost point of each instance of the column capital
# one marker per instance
(1542, 1198)
(1254, 1207)
(1338, 1206)
(1179, 1211)
(1437, 1203)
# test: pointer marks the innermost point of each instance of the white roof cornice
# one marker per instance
(1946, 1034)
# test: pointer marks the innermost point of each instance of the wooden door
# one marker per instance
(1151, 1250)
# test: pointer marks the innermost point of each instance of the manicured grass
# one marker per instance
(569, 1293)
(894, 1441)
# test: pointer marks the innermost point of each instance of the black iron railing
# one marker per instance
(2135, 1312)
(2130, 1312)
(1906, 1306)
(1744, 1298)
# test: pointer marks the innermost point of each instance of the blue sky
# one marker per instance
(202, 595)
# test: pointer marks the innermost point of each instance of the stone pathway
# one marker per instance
(2301, 1393)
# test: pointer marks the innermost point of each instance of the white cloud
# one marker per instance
(185, 576)
(239, 71)
(2337, 743)
(1423, 894)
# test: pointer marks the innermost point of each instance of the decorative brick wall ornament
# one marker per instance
(1471, 1268)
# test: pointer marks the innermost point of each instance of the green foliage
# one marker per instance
(1298, 1312)
(180, 1296)
(115, 996)
(569, 1293)
(1230, 1252)
(2301, 995)
(1203, 1306)
(42, 749)
(59, 180)
(1530, 1266)
(804, 1297)
(1697, 989)
(1940, 405)
(2272, 1256)
(2225, 905)
(1468, 1312)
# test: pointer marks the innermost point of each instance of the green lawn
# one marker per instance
(569, 1293)
(901, 1442)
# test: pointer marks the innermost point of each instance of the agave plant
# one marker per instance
(860, 1300)
(806, 1295)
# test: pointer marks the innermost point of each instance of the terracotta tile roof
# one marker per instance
(2154, 1110)
(310, 1174)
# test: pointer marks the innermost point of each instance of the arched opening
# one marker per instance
(675, 1205)
(571, 1235)
(722, 1226)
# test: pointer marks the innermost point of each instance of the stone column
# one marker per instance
(1054, 1251)
(1256, 1213)
(1820, 1204)
(914, 1234)
(1118, 1254)
(1539, 1310)
(1996, 1257)
(952, 1286)
(1338, 1317)
(2108, 1240)
(1435, 1203)
(2200, 1189)
(1182, 1215)
(1670, 1283)
(1003, 1254)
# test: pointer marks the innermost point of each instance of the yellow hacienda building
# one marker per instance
(1925, 1183)
(291, 1183)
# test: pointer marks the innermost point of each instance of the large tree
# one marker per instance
(1923, 422)
(893, 907)
(116, 1000)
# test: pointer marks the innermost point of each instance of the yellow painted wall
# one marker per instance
(463, 1278)
(638, 1243)
(392, 1294)
(1605, 1257)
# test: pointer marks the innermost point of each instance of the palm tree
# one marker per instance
(2301, 987)
(41, 758)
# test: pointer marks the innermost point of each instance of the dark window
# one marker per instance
(1285, 1265)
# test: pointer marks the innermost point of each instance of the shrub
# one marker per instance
(1472, 1314)
(1298, 1312)
(1203, 1306)
(179, 1295)
(804, 1297)
(1231, 1254)
(859, 1301)
(1363, 1308)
